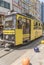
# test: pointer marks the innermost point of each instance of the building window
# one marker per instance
(1, 3)
(7, 5)
(16, 1)
(4, 4)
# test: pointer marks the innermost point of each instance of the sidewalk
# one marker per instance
(35, 58)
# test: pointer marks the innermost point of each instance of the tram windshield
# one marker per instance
(10, 22)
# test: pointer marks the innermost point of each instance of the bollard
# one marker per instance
(26, 61)
(42, 42)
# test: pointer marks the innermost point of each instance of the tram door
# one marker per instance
(26, 29)
(19, 31)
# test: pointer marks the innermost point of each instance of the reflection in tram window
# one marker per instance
(19, 23)
(9, 24)
(24, 25)
(36, 25)
(27, 26)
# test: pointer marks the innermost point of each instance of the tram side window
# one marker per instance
(36, 25)
(27, 26)
(39, 26)
(19, 23)
(24, 25)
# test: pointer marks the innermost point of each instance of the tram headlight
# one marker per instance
(7, 36)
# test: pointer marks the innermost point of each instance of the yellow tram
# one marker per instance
(19, 28)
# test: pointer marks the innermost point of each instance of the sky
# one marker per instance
(42, 0)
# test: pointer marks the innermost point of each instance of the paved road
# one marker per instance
(9, 58)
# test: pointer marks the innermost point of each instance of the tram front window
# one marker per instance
(10, 22)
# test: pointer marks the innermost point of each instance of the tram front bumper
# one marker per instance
(5, 41)
(9, 41)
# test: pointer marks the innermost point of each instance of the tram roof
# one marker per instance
(14, 13)
(25, 14)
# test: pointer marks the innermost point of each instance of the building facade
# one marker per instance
(38, 9)
(5, 6)
(32, 7)
(42, 12)
(21, 6)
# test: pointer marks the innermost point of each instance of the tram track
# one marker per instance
(1, 48)
(12, 56)
(4, 53)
